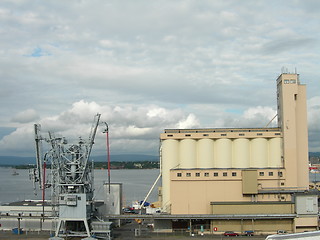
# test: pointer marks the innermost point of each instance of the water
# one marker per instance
(136, 184)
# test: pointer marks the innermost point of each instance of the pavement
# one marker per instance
(129, 232)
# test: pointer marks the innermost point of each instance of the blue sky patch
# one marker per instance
(38, 52)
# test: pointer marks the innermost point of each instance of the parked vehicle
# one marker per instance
(230, 233)
(248, 233)
(315, 235)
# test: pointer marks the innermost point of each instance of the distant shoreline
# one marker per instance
(103, 165)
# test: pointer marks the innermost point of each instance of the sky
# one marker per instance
(150, 65)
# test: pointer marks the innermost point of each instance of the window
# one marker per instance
(259, 134)
(170, 135)
(188, 174)
(179, 174)
(280, 174)
(223, 134)
(215, 174)
(282, 184)
(188, 135)
(234, 174)
(241, 134)
(225, 174)
(205, 135)
(270, 174)
(261, 173)
(206, 174)
(197, 174)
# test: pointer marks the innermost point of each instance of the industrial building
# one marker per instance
(242, 179)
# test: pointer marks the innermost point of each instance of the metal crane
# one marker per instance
(71, 180)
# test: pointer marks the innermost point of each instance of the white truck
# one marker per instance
(296, 236)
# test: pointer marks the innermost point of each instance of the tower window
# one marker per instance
(234, 174)
(188, 174)
(215, 174)
(225, 174)
(179, 174)
(270, 174)
(295, 97)
(197, 174)
(206, 174)
(280, 174)
(261, 173)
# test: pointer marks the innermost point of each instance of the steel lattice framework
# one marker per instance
(71, 176)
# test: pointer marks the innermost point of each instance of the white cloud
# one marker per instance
(26, 116)
(190, 122)
(152, 65)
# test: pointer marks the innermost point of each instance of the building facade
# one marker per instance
(253, 179)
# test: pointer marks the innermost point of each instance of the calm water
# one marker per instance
(136, 184)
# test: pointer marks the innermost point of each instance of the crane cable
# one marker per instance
(108, 155)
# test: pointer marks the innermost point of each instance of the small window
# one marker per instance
(215, 174)
(79, 198)
(223, 134)
(282, 184)
(270, 174)
(225, 174)
(197, 174)
(170, 135)
(259, 134)
(234, 174)
(179, 174)
(188, 174)
(188, 135)
(261, 173)
(206, 174)
(280, 174)
(206, 135)
(241, 134)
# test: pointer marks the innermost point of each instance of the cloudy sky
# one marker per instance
(150, 65)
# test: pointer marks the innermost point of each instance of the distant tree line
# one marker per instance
(113, 165)
(128, 165)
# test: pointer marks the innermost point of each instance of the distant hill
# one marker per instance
(314, 154)
(13, 160)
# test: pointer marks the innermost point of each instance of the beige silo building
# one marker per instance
(243, 179)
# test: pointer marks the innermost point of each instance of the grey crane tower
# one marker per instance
(71, 180)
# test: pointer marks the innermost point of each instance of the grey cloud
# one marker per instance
(150, 65)
(282, 45)
(29, 115)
